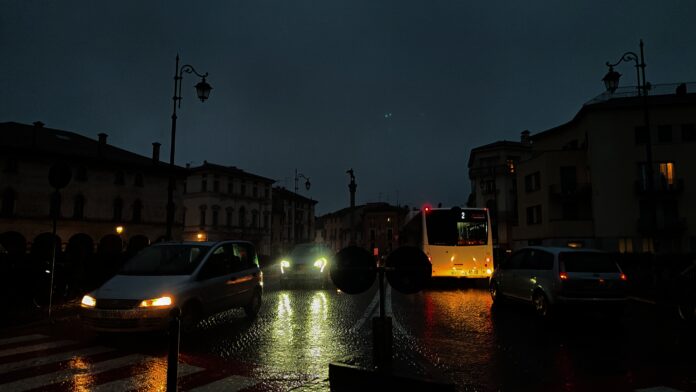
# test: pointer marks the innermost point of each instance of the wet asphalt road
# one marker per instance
(448, 330)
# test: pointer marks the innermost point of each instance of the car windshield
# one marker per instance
(166, 260)
(308, 253)
(588, 262)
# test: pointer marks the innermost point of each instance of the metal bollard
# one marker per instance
(173, 357)
(382, 339)
(382, 343)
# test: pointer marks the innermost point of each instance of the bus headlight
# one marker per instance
(488, 271)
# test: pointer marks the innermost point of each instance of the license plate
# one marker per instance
(115, 314)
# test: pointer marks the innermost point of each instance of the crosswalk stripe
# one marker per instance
(232, 383)
(143, 380)
(36, 347)
(86, 370)
(18, 339)
(38, 361)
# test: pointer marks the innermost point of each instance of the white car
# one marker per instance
(198, 278)
(548, 277)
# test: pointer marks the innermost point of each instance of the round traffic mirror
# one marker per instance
(408, 269)
(353, 270)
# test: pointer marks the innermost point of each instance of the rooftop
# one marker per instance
(46, 142)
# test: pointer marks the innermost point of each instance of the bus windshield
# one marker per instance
(457, 227)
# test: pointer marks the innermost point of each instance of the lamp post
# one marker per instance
(294, 214)
(611, 82)
(203, 91)
(352, 186)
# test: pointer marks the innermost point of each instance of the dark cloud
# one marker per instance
(306, 84)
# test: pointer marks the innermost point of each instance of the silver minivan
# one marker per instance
(199, 278)
(548, 277)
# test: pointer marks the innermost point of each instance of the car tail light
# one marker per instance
(563, 276)
(623, 277)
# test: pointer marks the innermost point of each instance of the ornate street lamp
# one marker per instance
(611, 82)
(203, 91)
(294, 215)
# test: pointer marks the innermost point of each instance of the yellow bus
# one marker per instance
(458, 241)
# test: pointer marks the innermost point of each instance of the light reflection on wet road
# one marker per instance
(446, 329)
(486, 348)
(297, 330)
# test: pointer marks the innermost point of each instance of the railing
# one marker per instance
(661, 186)
(490, 171)
(664, 226)
(632, 91)
(579, 190)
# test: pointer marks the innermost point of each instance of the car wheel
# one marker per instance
(191, 315)
(687, 310)
(541, 305)
(253, 307)
(496, 296)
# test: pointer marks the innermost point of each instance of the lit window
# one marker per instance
(667, 173)
(511, 166)
(625, 245)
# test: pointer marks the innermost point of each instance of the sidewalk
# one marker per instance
(26, 316)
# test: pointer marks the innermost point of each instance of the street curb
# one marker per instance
(344, 377)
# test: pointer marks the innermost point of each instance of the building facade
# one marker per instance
(377, 227)
(224, 202)
(292, 220)
(585, 182)
(493, 175)
(109, 188)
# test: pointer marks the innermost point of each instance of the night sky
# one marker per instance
(398, 90)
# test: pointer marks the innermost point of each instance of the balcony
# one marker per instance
(661, 187)
(580, 190)
(490, 171)
(670, 227)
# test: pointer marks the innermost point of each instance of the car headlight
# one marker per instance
(88, 301)
(320, 263)
(155, 302)
(284, 264)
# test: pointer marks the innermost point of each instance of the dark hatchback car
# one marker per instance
(306, 263)
(550, 277)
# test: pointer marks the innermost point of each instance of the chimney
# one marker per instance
(102, 142)
(681, 89)
(525, 137)
(34, 136)
(155, 152)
